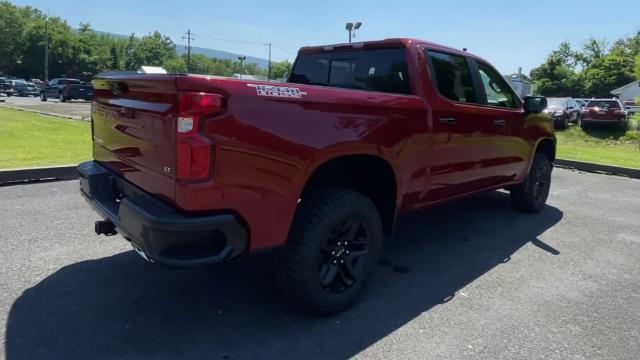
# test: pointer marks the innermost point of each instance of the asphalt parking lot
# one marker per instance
(470, 280)
(77, 109)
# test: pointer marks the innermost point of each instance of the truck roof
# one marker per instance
(391, 42)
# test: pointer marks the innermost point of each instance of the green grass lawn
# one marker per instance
(33, 140)
(600, 145)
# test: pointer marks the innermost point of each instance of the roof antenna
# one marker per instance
(464, 49)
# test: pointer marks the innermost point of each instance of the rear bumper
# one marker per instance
(155, 228)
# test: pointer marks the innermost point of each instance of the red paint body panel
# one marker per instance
(267, 147)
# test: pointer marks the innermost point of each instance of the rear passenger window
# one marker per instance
(383, 70)
(452, 77)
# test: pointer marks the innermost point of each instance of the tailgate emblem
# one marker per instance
(167, 169)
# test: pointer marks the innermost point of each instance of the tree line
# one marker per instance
(83, 52)
(590, 71)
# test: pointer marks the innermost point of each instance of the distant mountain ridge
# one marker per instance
(212, 53)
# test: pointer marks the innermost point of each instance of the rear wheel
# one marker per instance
(531, 195)
(333, 245)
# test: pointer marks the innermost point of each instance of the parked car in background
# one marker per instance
(563, 111)
(65, 89)
(39, 83)
(581, 103)
(6, 87)
(23, 88)
(631, 107)
(603, 112)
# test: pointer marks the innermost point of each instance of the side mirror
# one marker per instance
(535, 104)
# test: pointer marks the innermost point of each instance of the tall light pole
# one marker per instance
(351, 28)
(242, 59)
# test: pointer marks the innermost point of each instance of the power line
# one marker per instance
(283, 50)
(244, 42)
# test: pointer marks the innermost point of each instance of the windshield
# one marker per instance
(556, 102)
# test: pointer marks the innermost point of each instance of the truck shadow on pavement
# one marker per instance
(121, 307)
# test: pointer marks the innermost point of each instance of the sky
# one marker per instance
(509, 34)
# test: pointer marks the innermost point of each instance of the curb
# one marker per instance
(21, 176)
(598, 168)
(47, 113)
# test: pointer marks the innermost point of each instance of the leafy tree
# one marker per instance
(592, 51)
(132, 43)
(602, 69)
(608, 73)
(175, 65)
(637, 67)
(557, 75)
(11, 34)
(280, 70)
(153, 49)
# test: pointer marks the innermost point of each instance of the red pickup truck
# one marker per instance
(196, 170)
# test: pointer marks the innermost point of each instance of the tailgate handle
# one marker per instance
(499, 122)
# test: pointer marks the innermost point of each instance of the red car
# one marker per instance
(603, 112)
(196, 170)
(563, 111)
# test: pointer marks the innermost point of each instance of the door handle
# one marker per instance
(499, 122)
(447, 120)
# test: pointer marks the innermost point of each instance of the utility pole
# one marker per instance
(269, 71)
(46, 49)
(188, 37)
(242, 59)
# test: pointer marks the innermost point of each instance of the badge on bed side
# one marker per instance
(278, 91)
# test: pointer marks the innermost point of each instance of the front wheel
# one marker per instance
(334, 242)
(531, 195)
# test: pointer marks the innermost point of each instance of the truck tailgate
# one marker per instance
(133, 126)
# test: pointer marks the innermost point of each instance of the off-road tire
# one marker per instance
(531, 195)
(299, 265)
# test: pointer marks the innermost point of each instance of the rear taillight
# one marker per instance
(194, 150)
